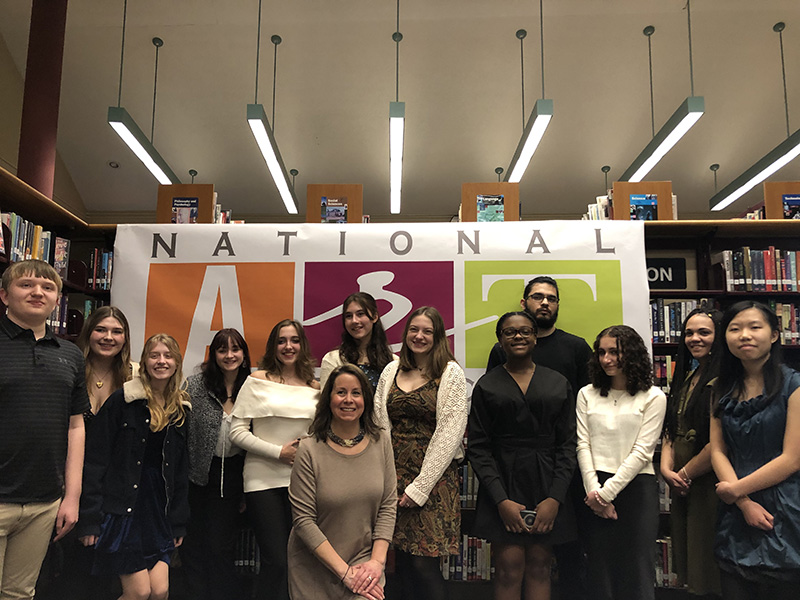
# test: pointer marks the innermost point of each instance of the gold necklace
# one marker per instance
(100, 383)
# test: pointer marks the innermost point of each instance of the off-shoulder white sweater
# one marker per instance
(279, 413)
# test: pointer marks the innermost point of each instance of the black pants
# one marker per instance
(736, 587)
(621, 552)
(208, 552)
(270, 514)
(420, 577)
(571, 557)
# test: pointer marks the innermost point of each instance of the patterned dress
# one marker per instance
(434, 528)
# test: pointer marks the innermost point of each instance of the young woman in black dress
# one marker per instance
(522, 447)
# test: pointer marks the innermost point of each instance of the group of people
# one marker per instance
(332, 473)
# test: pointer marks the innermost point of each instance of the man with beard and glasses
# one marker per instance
(569, 355)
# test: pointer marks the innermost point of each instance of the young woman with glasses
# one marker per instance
(522, 448)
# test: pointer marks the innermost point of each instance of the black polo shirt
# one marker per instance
(42, 384)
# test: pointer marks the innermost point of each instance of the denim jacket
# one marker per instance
(115, 447)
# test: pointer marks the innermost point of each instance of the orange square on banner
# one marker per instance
(210, 296)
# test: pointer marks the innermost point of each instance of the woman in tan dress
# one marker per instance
(423, 399)
(343, 496)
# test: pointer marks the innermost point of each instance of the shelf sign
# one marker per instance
(666, 273)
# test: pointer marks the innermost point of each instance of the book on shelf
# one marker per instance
(490, 208)
(665, 570)
(333, 210)
(667, 316)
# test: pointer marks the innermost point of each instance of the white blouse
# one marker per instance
(617, 434)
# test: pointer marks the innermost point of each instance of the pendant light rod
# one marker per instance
(605, 169)
(275, 39)
(122, 50)
(258, 50)
(157, 42)
(778, 28)
(691, 63)
(521, 33)
(397, 37)
(714, 168)
(541, 41)
(648, 32)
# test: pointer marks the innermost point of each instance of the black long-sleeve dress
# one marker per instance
(522, 448)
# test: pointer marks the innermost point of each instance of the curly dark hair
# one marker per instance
(304, 365)
(323, 417)
(378, 352)
(731, 371)
(634, 360)
(697, 409)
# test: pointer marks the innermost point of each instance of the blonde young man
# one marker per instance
(42, 401)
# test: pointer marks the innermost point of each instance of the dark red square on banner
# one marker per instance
(398, 288)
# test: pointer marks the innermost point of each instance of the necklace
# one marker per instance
(346, 443)
(100, 383)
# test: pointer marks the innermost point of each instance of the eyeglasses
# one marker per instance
(512, 332)
(539, 297)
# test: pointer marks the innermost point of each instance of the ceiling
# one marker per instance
(459, 77)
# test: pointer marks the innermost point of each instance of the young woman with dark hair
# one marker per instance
(272, 412)
(620, 417)
(363, 340)
(755, 450)
(522, 448)
(343, 492)
(134, 506)
(215, 470)
(422, 398)
(686, 453)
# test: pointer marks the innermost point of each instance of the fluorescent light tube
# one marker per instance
(540, 118)
(130, 133)
(257, 119)
(780, 156)
(397, 124)
(681, 121)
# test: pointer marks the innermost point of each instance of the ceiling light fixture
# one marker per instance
(127, 129)
(681, 121)
(542, 113)
(778, 157)
(264, 133)
(397, 127)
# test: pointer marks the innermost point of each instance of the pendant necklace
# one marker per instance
(100, 383)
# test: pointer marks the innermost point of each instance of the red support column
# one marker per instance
(37, 139)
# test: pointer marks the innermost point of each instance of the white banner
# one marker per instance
(192, 280)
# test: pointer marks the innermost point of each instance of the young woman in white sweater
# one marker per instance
(272, 412)
(619, 418)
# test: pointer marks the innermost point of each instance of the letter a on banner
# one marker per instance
(220, 283)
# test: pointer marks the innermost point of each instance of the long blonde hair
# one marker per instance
(175, 399)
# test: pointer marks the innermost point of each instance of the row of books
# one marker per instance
(472, 563)
(247, 555)
(469, 485)
(663, 370)
(667, 316)
(748, 270)
(642, 207)
(100, 269)
(665, 571)
(28, 240)
(68, 320)
(788, 320)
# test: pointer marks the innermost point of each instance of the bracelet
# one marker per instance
(599, 499)
(685, 475)
(345, 574)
